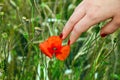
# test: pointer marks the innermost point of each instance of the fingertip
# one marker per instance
(73, 37)
(71, 41)
(68, 42)
(61, 35)
(65, 32)
(103, 35)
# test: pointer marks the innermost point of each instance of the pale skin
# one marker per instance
(89, 13)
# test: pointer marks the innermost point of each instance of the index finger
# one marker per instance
(75, 17)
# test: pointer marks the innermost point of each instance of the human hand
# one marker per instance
(91, 12)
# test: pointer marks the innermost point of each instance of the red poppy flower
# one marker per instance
(53, 46)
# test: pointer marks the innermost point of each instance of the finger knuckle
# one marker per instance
(76, 30)
(93, 13)
(71, 21)
(118, 21)
(92, 16)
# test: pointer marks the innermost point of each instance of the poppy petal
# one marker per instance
(44, 48)
(55, 41)
(64, 52)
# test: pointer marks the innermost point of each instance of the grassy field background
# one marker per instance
(26, 23)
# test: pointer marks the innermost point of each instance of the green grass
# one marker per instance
(26, 23)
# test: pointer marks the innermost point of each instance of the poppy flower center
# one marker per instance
(54, 48)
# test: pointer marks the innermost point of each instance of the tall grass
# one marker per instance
(26, 23)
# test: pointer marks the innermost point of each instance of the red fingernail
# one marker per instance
(103, 35)
(68, 42)
(61, 35)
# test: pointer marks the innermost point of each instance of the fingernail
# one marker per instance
(68, 42)
(61, 35)
(103, 35)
